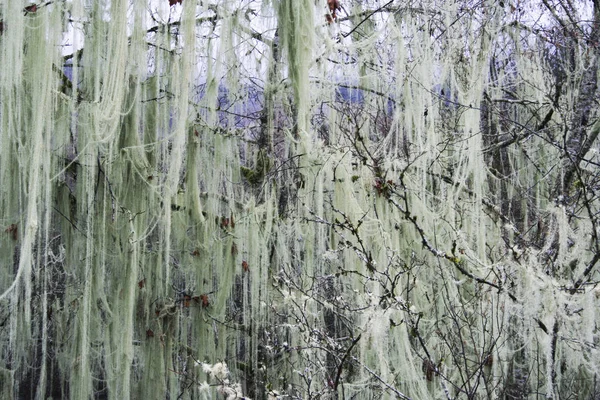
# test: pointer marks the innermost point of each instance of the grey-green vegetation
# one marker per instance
(299, 199)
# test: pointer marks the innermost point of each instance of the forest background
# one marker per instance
(299, 199)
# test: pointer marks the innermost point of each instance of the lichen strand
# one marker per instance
(297, 30)
(221, 200)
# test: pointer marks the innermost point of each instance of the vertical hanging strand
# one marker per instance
(296, 23)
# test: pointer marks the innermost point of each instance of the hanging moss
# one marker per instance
(262, 167)
(219, 200)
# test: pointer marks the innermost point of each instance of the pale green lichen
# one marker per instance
(154, 219)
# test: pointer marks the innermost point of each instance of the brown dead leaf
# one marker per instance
(204, 298)
(13, 230)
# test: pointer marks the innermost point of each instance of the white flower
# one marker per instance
(220, 370)
(207, 368)
(232, 392)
